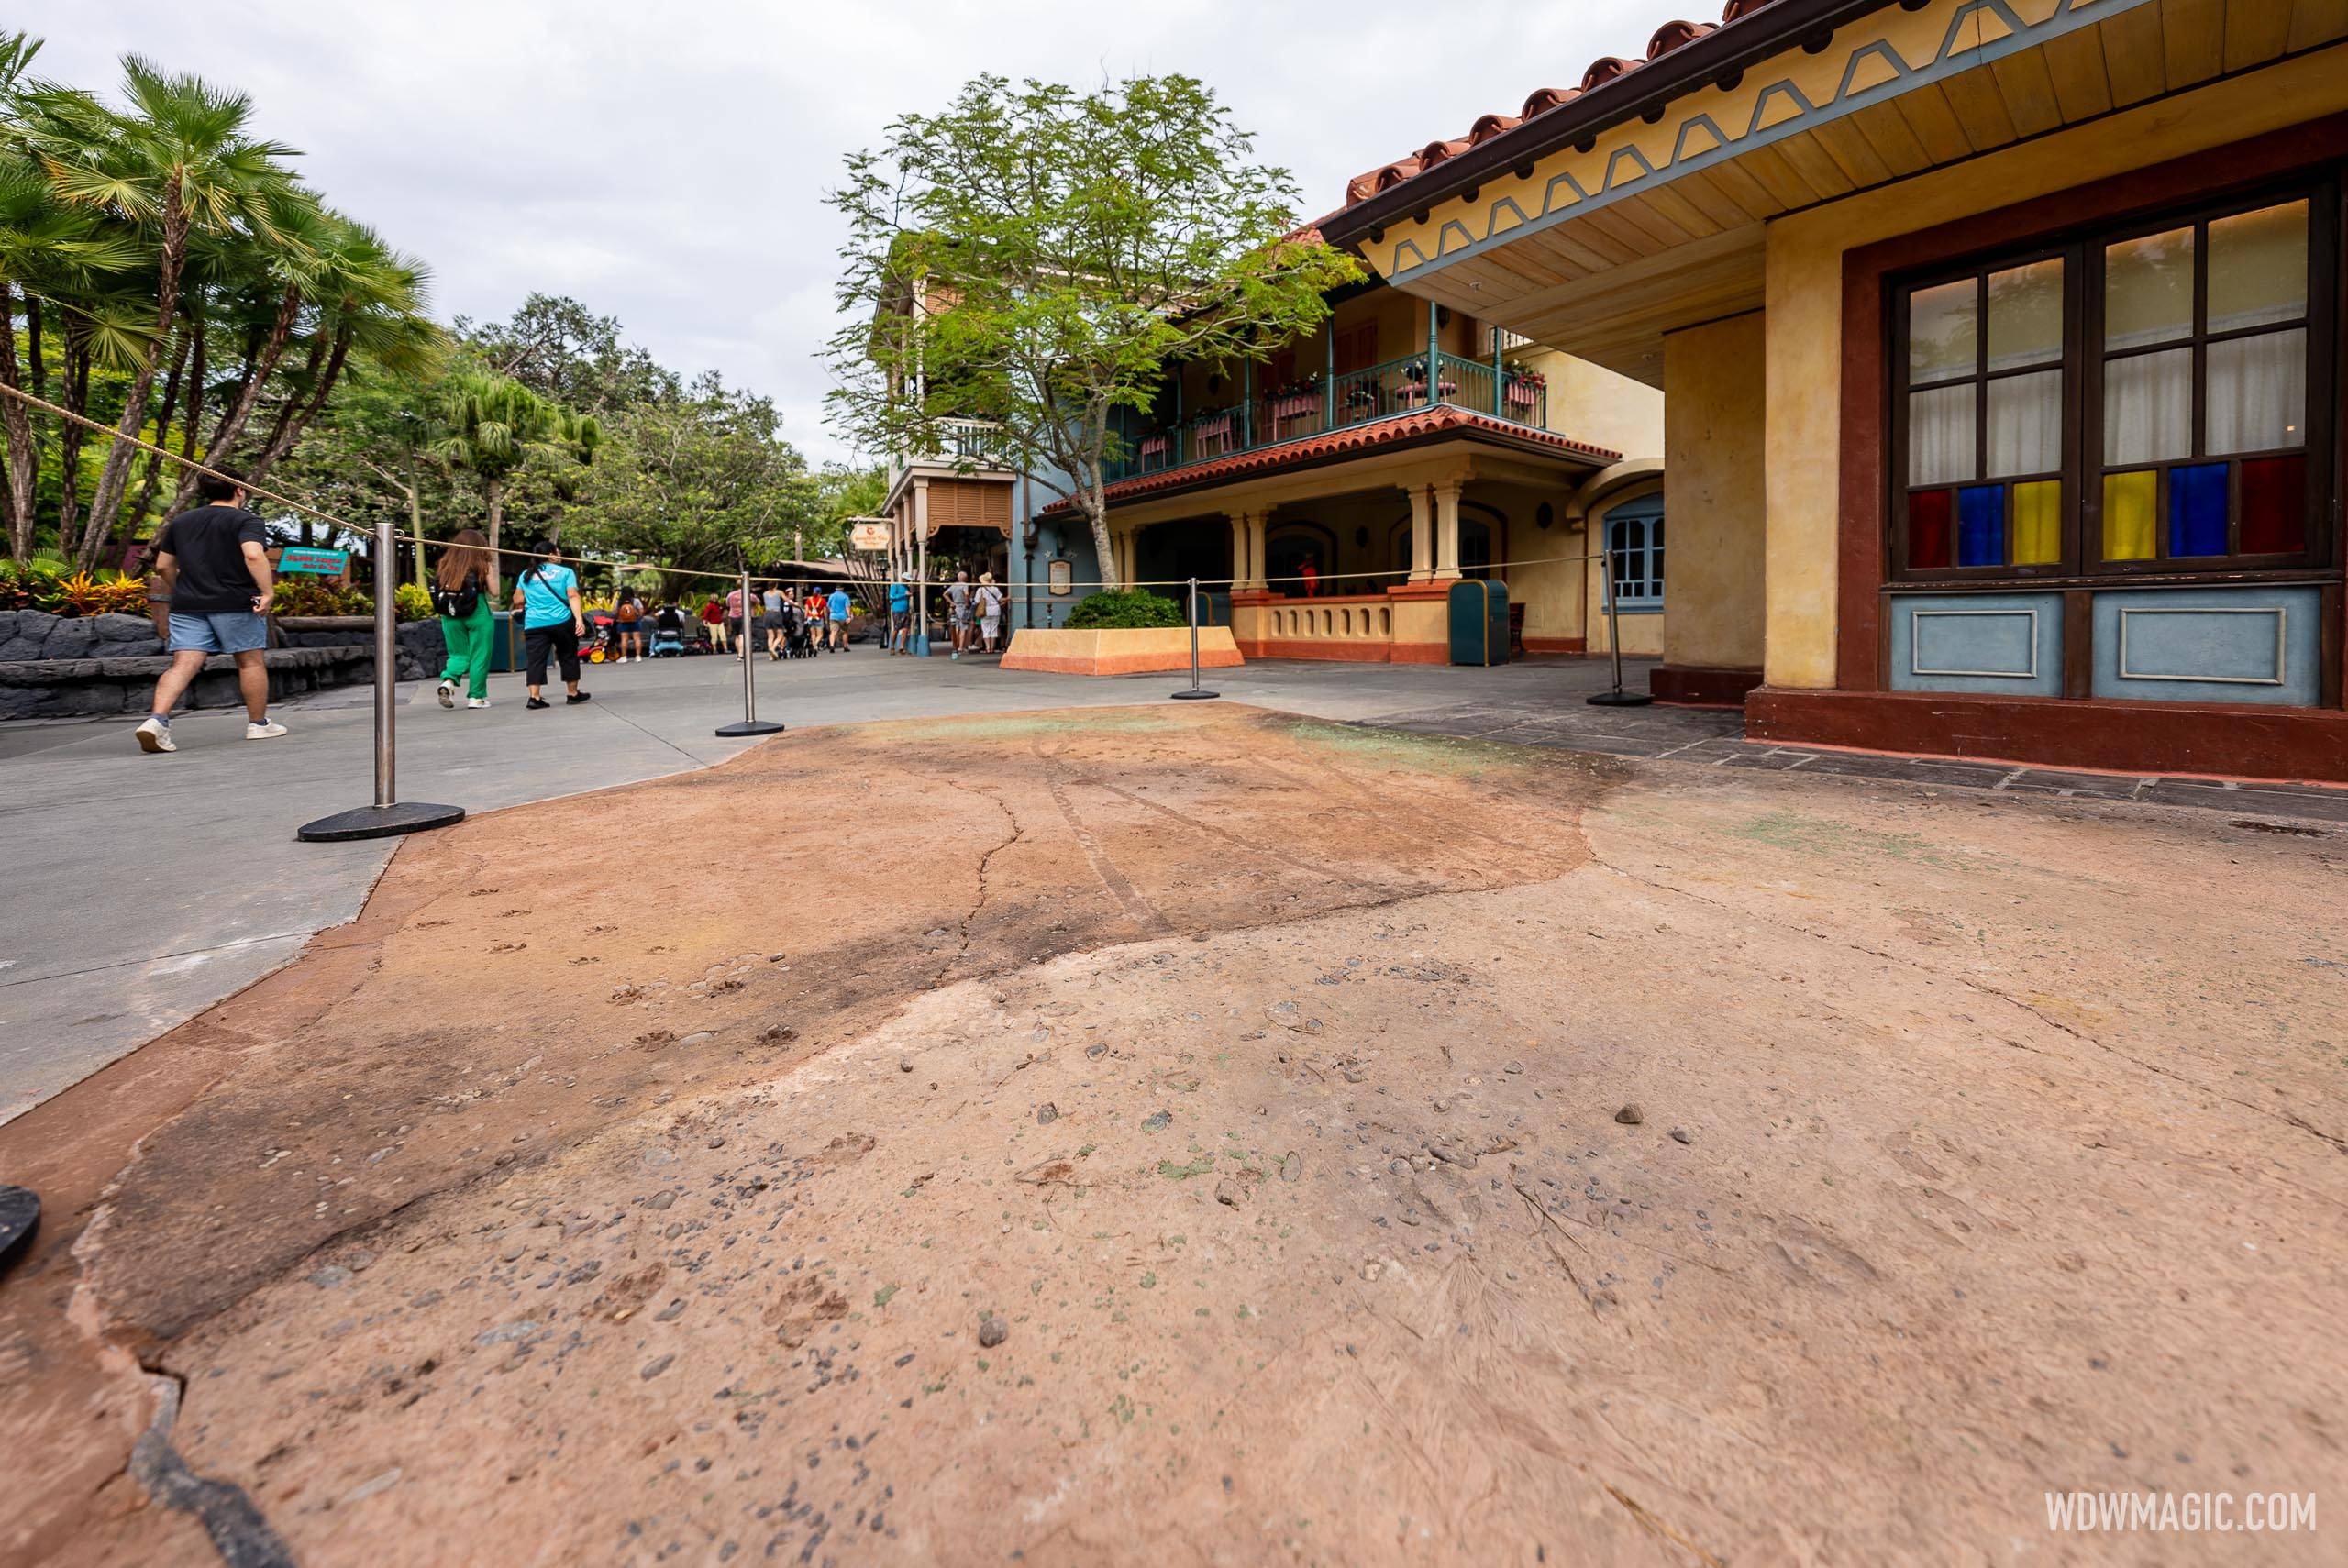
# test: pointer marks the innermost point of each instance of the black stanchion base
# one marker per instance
(19, 1212)
(750, 727)
(380, 822)
(1620, 699)
(1192, 696)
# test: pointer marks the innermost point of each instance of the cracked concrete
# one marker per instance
(583, 1228)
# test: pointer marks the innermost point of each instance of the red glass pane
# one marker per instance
(1927, 529)
(2275, 506)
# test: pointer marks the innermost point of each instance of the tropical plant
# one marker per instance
(1123, 607)
(491, 426)
(1036, 258)
(180, 160)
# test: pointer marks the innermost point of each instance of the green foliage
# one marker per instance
(1036, 258)
(411, 603)
(700, 480)
(1123, 607)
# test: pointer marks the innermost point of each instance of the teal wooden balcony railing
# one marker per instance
(1335, 403)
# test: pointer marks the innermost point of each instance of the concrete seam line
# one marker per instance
(239, 1534)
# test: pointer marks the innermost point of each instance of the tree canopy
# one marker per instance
(1036, 258)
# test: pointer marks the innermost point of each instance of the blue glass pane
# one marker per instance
(1981, 525)
(2197, 509)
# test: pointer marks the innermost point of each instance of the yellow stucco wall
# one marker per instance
(1804, 290)
(1714, 466)
(1592, 403)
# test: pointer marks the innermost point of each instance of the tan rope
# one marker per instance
(729, 576)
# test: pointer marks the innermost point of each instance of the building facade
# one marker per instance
(1326, 497)
(2001, 343)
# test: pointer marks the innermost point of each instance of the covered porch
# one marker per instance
(1348, 554)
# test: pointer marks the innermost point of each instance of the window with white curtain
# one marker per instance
(2128, 402)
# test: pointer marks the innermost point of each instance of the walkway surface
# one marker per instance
(146, 888)
(1191, 1134)
(143, 889)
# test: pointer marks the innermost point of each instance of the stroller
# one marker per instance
(798, 638)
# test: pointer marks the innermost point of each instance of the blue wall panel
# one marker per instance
(2009, 644)
(2210, 645)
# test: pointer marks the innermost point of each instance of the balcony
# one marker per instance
(1327, 404)
(966, 445)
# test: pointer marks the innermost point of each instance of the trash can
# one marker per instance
(1478, 622)
(505, 653)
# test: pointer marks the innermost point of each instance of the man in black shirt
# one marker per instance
(215, 560)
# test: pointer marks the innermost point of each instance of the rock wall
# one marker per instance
(60, 666)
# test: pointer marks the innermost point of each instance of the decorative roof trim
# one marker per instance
(1333, 446)
(1682, 56)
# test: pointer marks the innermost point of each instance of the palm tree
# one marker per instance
(491, 426)
(372, 298)
(179, 161)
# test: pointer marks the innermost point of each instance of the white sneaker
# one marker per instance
(155, 735)
(448, 692)
(476, 701)
(265, 731)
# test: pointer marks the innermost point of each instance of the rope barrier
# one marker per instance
(730, 577)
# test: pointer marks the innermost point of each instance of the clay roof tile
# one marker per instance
(1490, 125)
(1671, 35)
(1544, 99)
(1605, 70)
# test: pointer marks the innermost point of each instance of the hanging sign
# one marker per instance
(869, 535)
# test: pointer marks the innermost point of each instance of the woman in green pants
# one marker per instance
(462, 590)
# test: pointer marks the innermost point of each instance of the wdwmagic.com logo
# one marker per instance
(2187, 1513)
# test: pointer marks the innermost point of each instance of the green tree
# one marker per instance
(491, 428)
(1036, 258)
(178, 161)
(700, 482)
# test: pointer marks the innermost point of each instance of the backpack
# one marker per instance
(457, 603)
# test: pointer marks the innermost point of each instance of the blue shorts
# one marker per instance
(221, 631)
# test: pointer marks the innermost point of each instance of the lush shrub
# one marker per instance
(411, 603)
(1128, 607)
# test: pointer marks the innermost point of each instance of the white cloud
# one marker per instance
(667, 163)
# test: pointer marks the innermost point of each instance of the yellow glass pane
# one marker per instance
(2026, 314)
(2130, 503)
(2258, 267)
(2148, 289)
(2038, 523)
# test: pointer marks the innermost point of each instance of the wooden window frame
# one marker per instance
(2082, 250)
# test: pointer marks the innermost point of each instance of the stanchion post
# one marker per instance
(387, 818)
(1617, 698)
(751, 724)
(1194, 694)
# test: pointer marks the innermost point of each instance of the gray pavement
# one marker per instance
(142, 889)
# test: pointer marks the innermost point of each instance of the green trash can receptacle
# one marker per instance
(1478, 622)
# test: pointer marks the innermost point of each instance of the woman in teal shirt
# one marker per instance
(552, 621)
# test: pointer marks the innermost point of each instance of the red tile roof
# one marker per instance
(1352, 441)
(1668, 37)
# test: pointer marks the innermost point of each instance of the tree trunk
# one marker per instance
(289, 431)
(1096, 516)
(154, 474)
(114, 478)
(495, 489)
(75, 372)
(259, 366)
(17, 420)
(33, 362)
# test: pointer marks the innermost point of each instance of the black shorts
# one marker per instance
(561, 639)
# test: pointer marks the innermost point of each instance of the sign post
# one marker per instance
(389, 816)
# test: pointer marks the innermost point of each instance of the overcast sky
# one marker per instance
(666, 163)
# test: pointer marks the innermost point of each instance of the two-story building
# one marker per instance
(2002, 346)
(1327, 495)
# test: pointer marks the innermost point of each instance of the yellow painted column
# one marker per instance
(1422, 536)
(1446, 530)
(1258, 534)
